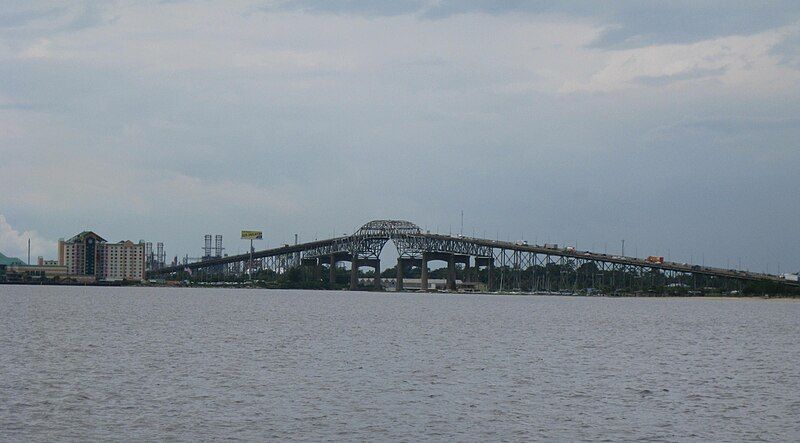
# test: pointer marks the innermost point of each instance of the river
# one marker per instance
(93, 363)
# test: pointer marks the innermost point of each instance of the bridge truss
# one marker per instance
(503, 265)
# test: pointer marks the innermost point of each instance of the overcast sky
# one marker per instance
(672, 125)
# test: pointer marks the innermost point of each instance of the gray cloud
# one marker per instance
(744, 124)
(641, 23)
(693, 74)
(161, 126)
(91, 14)
(788, 51)
(20, 19)
(12, 17)
(17, 106)
(367, 8)
(630, 23)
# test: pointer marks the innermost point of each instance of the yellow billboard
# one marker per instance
(252, 235)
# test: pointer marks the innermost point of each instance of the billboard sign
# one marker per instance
(252, 235)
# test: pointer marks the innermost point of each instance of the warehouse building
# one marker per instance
(7, 262)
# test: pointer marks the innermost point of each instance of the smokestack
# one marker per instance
(207, 248)
(218, 245)
(160, 256)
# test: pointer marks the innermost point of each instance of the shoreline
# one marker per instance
(508, 294)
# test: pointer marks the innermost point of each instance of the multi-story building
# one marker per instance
(81, 254)
(88, 254)
(123, 261)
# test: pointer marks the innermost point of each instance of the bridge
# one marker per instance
(417, 248)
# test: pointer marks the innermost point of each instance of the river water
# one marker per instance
(200, 364)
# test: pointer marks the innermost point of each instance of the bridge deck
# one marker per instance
(491, 245)
(630, 261)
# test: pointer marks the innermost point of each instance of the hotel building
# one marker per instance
(88, 254)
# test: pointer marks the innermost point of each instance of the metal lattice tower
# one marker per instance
(148, 254)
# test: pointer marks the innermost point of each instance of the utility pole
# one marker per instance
(29, 251)
(623, 247)
(462, 223)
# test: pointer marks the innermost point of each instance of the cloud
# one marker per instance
(15, 244)
(167, 120)
(108, 187)
(369, 8)
(627, 24)
(41, 49)
(740, 62)
(183, 189)
(88, 15)
(16, 106)
(788, 50)
(21, 19)
(637, 24)
(23, 15)
(744, 124)
(691, 74)
(753, 140)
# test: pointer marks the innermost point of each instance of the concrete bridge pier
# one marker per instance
(490, 279)
(451, 272)
(354, 274)
(403, 264)
(400, 271)
(377, 281)
(332, 271)
(374, 263)
(489, 263)
(423, 267)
